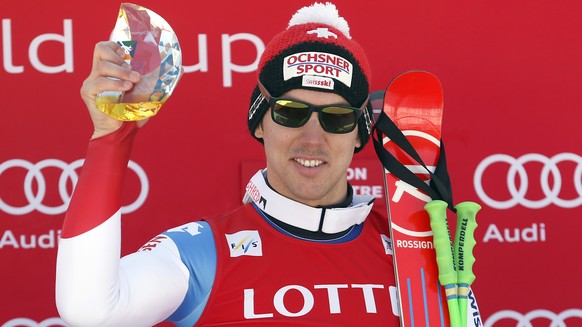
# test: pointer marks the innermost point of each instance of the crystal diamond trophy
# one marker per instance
(152, 49)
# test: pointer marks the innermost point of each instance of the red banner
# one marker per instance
(510, 73)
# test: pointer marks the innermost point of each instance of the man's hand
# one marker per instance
(107, 62)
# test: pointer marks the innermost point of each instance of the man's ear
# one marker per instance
(259, 131)
(358, 140)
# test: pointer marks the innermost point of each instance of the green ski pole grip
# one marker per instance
(437, 211)
(465, 240)
(464, 244)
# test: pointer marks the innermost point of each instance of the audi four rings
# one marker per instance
(526, 320)
(68, 172)
(518, 193)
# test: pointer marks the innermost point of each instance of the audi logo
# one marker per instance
(525, 320)
(549, 172)
(68, 173)
(26, 322)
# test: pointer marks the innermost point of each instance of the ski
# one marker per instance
(412, 111)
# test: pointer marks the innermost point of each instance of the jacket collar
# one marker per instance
(331, 220)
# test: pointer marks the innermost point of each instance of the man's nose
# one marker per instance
(312, 130)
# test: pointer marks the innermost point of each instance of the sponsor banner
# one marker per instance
(319, 64)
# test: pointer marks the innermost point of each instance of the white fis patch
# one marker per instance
(324, 65)
(245, 242)
(387, 242)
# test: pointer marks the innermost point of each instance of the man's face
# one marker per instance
(308, 164)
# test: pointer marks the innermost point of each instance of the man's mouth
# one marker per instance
(309, 163)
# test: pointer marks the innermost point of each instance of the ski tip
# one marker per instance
(419, 80)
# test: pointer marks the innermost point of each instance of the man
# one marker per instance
(302, 251)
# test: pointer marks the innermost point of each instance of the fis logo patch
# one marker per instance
(387, 242)
(245, 242)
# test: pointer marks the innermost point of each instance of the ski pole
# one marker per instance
(464, 243)
(437, 211)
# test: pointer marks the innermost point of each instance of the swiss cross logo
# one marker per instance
(323, 32)
(245, 242)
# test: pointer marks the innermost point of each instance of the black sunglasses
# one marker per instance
(335, 118)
